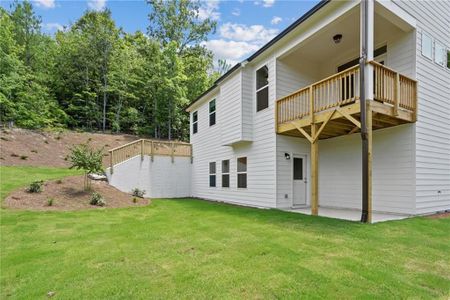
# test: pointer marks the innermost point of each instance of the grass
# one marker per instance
(189, 248)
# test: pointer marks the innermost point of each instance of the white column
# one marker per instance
(370, 47)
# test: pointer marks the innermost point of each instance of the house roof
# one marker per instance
(291, 27)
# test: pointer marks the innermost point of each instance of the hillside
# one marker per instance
(21, 147)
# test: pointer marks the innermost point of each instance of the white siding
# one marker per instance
(208, 147)
(231, 94)
(340, 170)
(433, 124)
(160, 178)
(248, 89)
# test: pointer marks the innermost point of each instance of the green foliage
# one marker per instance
(93, 76)
(138, 193)
(35, 186)
(97, 199)
(83, 157)
(50, 201)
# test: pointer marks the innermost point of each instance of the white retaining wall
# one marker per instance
(160, 178)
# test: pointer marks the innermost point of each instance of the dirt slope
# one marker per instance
(20, 147)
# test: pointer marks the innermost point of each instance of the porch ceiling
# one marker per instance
(321, 46)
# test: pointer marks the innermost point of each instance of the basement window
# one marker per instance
(262, 88)
(427, 46)
(212, 112)
(226, 173)
(242, 172)
(212, 174)
(194, 122)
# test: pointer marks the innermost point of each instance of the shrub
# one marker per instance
(59, 181)
(23, 157)
(97, 199)
(35, 186)
(134, 200)
(138, 193)
(45, 141)
(50, 201)
(83, 157)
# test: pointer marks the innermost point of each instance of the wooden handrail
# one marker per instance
(343, 88)
(157, 147)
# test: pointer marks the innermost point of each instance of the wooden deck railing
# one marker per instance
(394, 88)
(343, 88)
(336, 90)
(148, 147)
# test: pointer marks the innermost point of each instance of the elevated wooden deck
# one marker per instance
(333, 104)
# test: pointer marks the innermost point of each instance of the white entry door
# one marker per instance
(299, 179)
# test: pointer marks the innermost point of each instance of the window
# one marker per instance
(212, 174)
(226, 173)
(242, 172)
(298, 168)
(427, 46)
(440, 56)
(212, 112)
(194, 122)
(262, 88)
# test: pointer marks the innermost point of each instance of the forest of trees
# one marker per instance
(94, 76)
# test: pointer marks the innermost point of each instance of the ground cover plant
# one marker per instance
(197, 249)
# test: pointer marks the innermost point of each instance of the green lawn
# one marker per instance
(195, 249)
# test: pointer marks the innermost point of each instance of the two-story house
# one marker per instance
(282, 128)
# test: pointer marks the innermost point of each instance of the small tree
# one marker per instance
(83, 157)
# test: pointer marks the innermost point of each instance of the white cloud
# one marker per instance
(97, 4)
(232, 51)
(45, 3)
(236, 12)
(209, 9)
(276, 20)
(240, 32)
(265, 3)
(238, 41)
(50, 27)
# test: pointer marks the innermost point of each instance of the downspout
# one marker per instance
(362, 93)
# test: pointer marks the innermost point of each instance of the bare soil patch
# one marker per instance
(68, 194)
(22, 147)
(440, 215)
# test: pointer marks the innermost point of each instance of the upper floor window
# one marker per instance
(226, 173)
(262, 88)
(212, 174)
(427, 46)
(194, 122)
(212, 112)
(242, 172)
(440, 55)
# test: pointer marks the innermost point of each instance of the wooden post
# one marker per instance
(142, 149)
(314, 172)
(369, 160)
(111, 153)
(397, 93)
(311, 104)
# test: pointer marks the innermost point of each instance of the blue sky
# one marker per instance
(243, 26)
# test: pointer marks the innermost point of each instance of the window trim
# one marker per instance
(212, 174)
(447, 56)
(422, 45)
(242, 172)
(211, 113)
(225, 173)
(195, 123)
(261, 88)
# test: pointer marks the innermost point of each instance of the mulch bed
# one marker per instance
(440, 215)
(68, 194)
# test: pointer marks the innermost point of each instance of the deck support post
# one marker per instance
(314, 172)
(111, 153)
(366, 94)
(142, 149)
